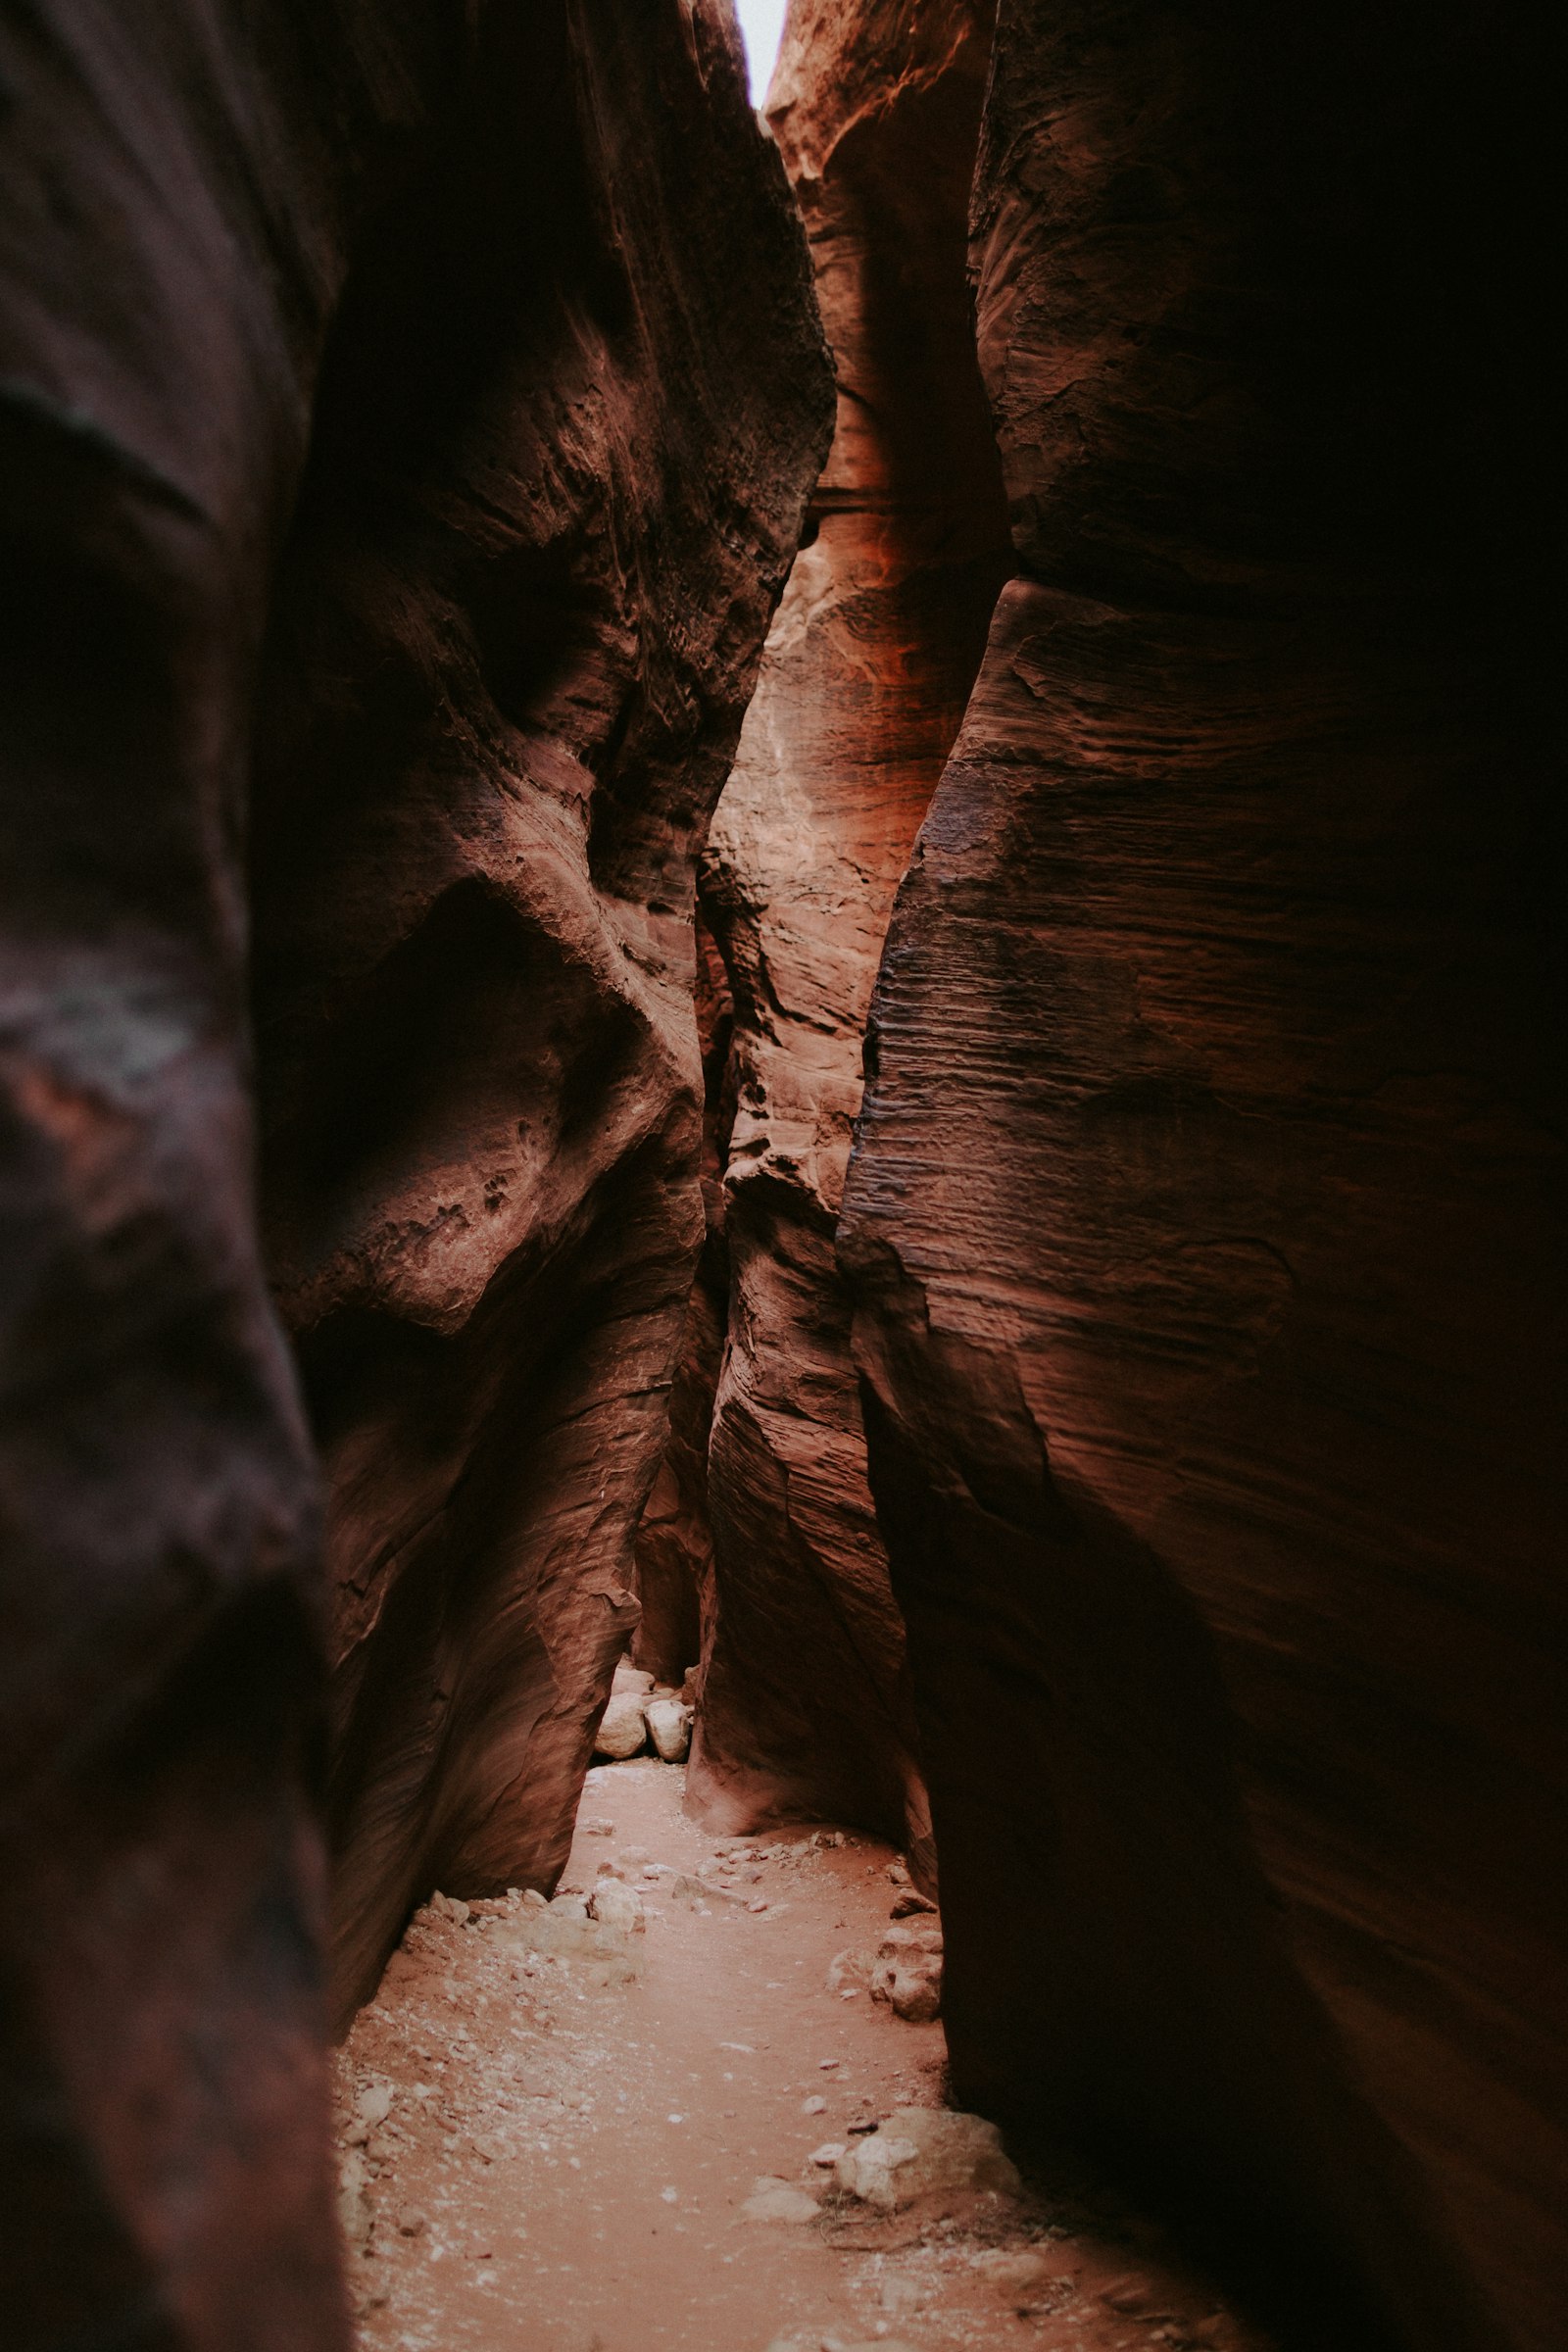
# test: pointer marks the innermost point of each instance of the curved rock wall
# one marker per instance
(804, 1705)
(516, 293)
(1205, 1215)
(518, 626)
(674, 1548)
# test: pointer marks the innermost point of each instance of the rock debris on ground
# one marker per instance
(667, 2108)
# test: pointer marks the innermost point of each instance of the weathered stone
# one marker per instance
(623, 1728)
(1018, 2277)
(775, 2200)
(1206, 1179)
(850, 1970)
(617, 1906)
(669, 1727)
(912, 1988)
(910, 1903)
(355, 2212)
(924, 2151)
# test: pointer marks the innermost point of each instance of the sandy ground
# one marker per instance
(562, 2162)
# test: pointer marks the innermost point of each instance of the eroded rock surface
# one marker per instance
(570, 411)
(804, 1700)
(1207, 1211)
(464, 356)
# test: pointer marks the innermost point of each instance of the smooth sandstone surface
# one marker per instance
(404, 421)
(568, 418)
(806, 1708)
(1205, 1219)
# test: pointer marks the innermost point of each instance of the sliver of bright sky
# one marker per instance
(761, 22)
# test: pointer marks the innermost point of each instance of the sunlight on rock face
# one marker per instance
(761, 22)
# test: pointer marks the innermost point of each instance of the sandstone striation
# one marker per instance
(804, 1700)
(404, 421)
(553, 495)
(673, 1554)
(1205, 1211)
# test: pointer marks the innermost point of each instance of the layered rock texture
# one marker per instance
(806, 1706)
(1206, 1217)
(518, 626)
(673, 1554)
(407, 416)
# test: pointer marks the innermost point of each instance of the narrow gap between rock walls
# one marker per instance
(697, 2100)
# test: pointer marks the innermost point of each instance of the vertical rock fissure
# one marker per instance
(805, 1709)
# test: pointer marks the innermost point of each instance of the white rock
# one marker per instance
(353, 2199)
(828, 2155)
(907, 1974)
(632, 1679)
(1014, 2274)
(623, 1729)
(911, 1936)
(375, 2103)
(912, 1990)
(923, 2150)
(775, 2200)
(871, 2171)
(617, 1905)
(849, 1972)
(669, 1727)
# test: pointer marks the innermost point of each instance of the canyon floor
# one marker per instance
(538, 2160)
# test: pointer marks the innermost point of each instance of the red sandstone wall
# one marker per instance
(806, 1706)
(518, 626)
(404, 421)
(1206, 1217)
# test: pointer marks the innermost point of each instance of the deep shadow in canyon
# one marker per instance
(1117, 1454)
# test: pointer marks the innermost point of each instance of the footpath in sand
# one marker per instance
(559, 2151)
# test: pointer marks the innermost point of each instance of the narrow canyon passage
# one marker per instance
(782, 1241)
(630, 2136)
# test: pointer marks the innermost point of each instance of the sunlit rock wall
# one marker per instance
(806, 1704)
(1206, 1216)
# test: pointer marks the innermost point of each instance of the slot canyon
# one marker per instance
(781, 1181)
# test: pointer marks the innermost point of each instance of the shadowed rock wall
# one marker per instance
(516, 293)
(674, 1549)
(805, 1705)
(550, 506)
(1205, 1214)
